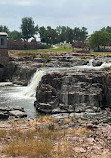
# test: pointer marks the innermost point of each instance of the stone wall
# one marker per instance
(4, 58)
(21, 45)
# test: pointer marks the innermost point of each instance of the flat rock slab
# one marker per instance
(6, 84)
(17, 113)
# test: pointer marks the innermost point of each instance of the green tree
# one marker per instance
(83, 34)
(62, 33)
(69, 35)
(42, 33)
(15, 35)
(4, 29)
(80, 34)
(107, 29)
(51, 35)
(99, 38)
(76, 33)
(28, 29)
(48, 35)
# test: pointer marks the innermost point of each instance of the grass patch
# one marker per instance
(45, 56)
(33, 53)
(29, 148)
(2, 133)
(50, 134)
(101, 53)
(34, 142)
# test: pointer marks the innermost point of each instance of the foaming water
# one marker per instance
(91, 62)
(30, 90)
(90, 66)
(25, 96)
(105, 65)
(12, 96)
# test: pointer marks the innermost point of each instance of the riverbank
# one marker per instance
(50, 137)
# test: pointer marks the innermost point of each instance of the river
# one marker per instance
(12, 96)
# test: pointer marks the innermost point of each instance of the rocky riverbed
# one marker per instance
(78, 104)
(67, 91)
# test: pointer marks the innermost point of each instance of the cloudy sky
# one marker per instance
(93, 14)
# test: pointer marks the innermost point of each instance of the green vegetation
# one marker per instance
(4, 29)
(100, 38)
(28, 29)
(45, 56)
(101, 53)
(47, 35)
(33, 53)
(15, 35)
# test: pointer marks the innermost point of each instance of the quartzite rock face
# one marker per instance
(107, 89)
(20, 70)
(75, 92)
(4, 59)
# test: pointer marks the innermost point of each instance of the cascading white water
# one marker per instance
(90, 66)
(31, 88)
(91, 62)
(105, 65)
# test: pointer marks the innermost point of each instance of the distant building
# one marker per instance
(3, 40)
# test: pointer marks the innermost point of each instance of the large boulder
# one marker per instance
(74, 92)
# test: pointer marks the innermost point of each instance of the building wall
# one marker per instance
(4, 58)
(22, 45)
(3, 41)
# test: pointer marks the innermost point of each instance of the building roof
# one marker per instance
(3, 34)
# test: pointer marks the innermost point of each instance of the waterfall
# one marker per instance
(31, 88)
(91, 62)
(105, 65)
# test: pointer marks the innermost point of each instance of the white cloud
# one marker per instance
(16, 2)
(93, 14)
(23, 3)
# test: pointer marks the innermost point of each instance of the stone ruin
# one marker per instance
(24, 45)
(4, 58)
(81, 45)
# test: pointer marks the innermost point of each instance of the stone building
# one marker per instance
(4, 58)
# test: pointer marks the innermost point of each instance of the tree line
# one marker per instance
(47, 35)
(101, 38)
(60, 34)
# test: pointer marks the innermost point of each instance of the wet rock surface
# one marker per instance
(82, 91)
(7, 112)
(74, 92)
(20, 70)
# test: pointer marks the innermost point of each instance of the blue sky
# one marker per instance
(93, 14)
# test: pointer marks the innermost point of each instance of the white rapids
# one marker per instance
(91, 67)
(14, 95)
(30, 90)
